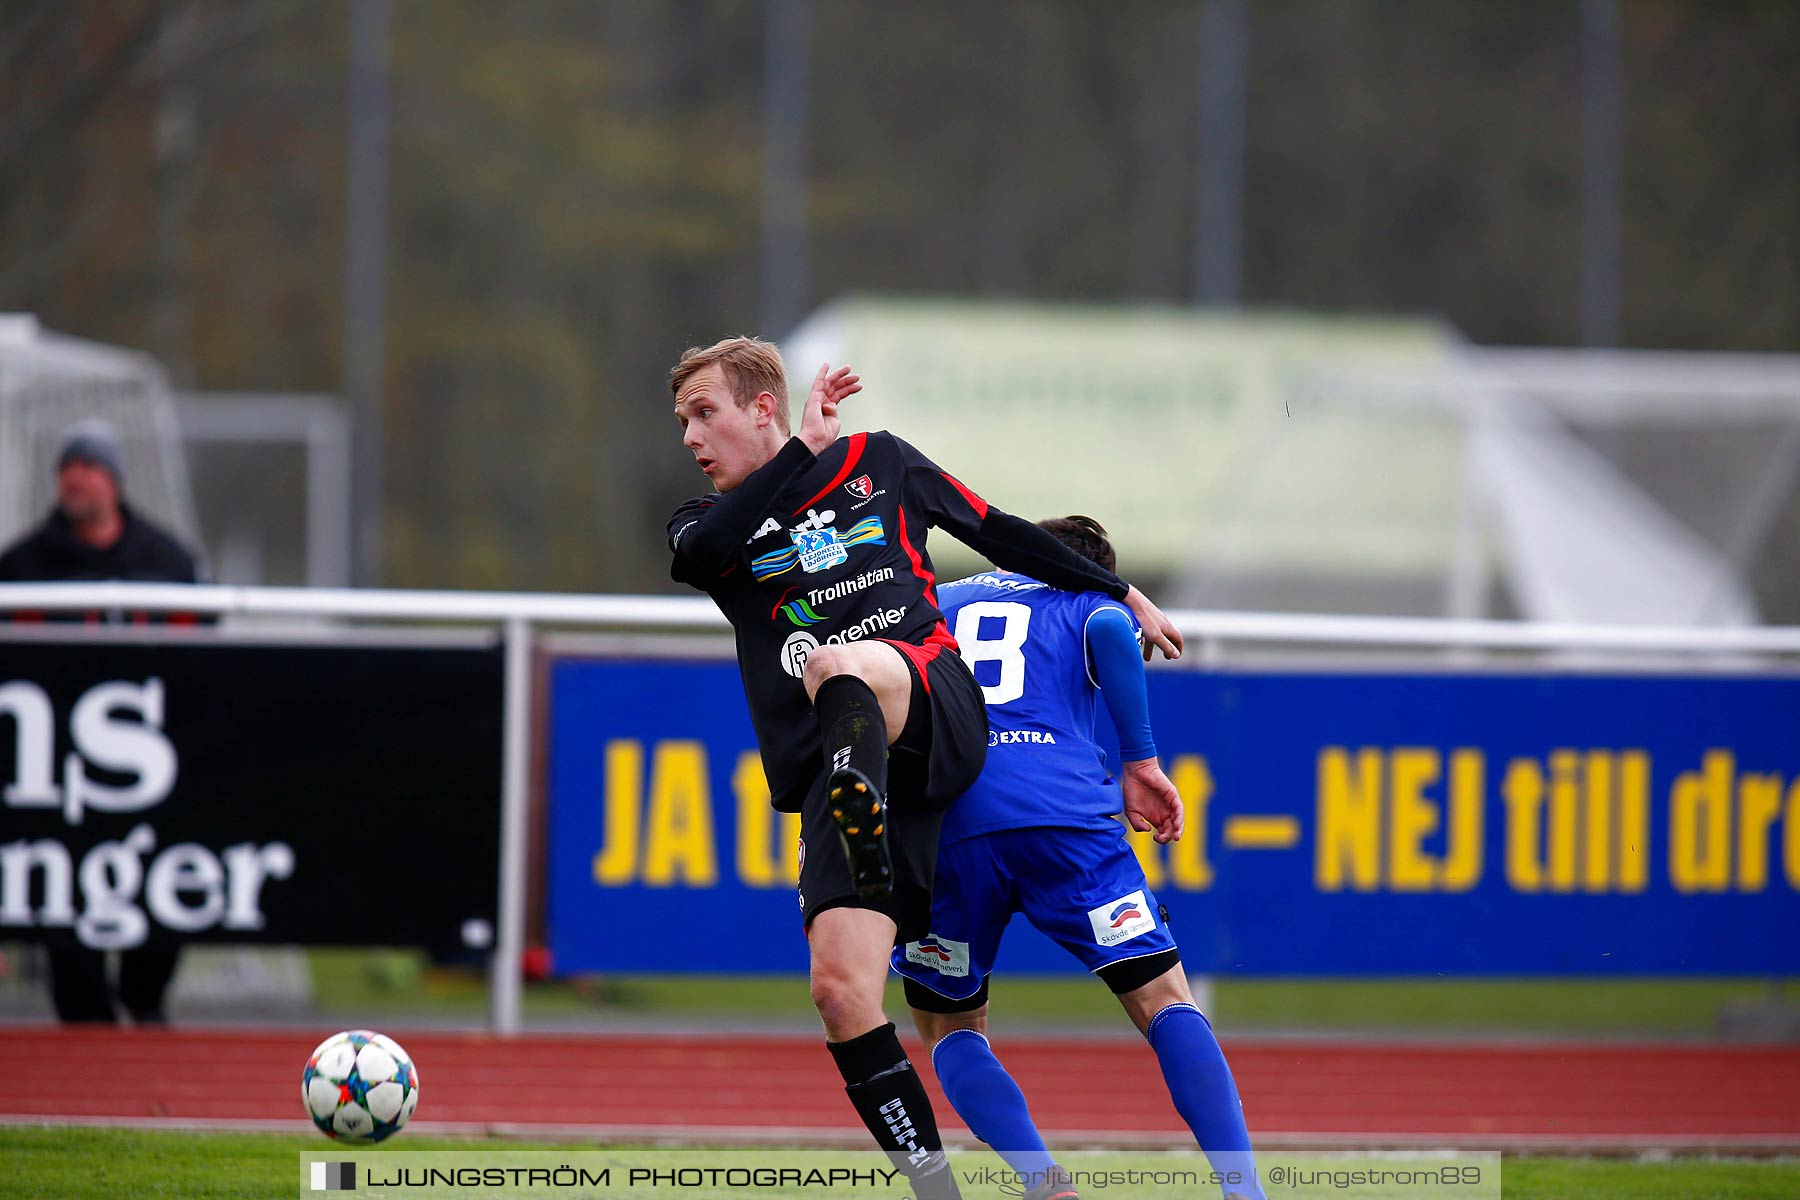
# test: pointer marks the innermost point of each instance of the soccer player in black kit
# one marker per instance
(869, 723)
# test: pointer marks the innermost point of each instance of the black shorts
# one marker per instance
(936, 759)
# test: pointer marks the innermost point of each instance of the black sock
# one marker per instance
(854, 731)
(891, 1101)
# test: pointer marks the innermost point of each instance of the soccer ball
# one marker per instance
(359, 1087)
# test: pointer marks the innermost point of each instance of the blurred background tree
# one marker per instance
(576, 192)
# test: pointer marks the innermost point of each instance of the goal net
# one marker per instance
(48, 382)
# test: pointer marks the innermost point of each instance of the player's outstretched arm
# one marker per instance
(1151, 801)
(1015, 544)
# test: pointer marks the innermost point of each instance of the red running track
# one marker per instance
(1094, 1090)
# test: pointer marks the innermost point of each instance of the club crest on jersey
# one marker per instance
(818, 545)
(862, 487)
(942, 955)
(820, 549)
(1120, 921)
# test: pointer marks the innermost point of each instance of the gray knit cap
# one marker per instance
(94, 440)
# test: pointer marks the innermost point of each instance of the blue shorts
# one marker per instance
(1082, 888)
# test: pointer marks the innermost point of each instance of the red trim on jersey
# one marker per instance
(919, 656)
(918, 563)
(854, 453)
(776, 611)
(940, 637)
(975, 502)
(936, 642)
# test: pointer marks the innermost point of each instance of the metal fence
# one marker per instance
(523, 619)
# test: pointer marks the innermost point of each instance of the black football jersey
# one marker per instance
(813, 551)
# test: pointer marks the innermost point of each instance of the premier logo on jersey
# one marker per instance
(795, 651)
(1123, 919)
(799, 646)
(942, 955)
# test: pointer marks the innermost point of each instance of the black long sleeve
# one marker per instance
(1015, 544)
(1010, 543)
(706, 533)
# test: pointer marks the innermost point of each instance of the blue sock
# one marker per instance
(985, 1097)
(1204, 1093)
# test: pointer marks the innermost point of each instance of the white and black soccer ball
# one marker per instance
(359, 1087)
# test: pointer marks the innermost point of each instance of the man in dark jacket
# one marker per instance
(93, 534)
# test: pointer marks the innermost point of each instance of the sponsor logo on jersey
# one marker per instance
(942, 955)
(818, 545)
(795, 651)
(1020, 737)
(1123, 912)
(862, 487)
(798, 611)
(820, 550)
(849, 587)
(874, 623)
(1121, 920)
(770, 525)
(799, 646)
(1006, 583)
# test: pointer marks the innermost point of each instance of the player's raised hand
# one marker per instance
(819, 425)
(1151, 801)
(1159, 631)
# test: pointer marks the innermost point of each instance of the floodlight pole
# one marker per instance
(1219, 183)
(787, 88)
(365, 276)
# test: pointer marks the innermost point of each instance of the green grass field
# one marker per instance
(356, 982)
(79, 1164)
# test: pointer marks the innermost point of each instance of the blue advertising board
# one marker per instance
(1383, 824)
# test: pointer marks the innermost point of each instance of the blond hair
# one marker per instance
(750, 365)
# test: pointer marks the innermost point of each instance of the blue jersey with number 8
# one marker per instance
(1027, 644)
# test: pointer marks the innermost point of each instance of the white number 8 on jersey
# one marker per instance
(1008, 649)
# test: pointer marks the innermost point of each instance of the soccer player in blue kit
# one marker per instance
(1036, 834)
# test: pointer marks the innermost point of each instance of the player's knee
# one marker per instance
(845, 1003)
(934, 1027)
(825, 662)
(1145, 1002)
